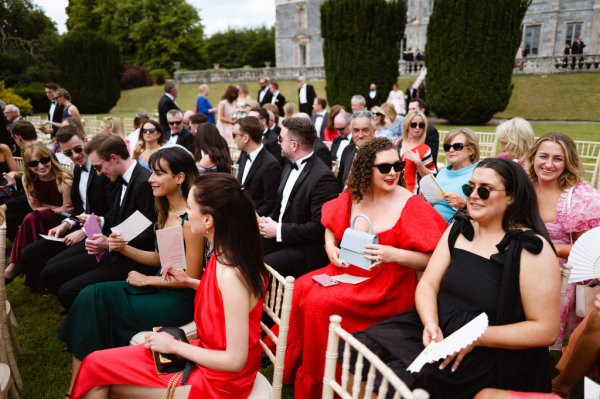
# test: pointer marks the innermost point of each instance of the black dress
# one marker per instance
(471, 285)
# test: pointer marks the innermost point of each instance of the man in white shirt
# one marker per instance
(306, 96)
(320, 116)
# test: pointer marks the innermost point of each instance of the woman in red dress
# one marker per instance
(228, 308)
(408, 230)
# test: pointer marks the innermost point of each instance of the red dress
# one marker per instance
(390, 290)
(133, 365)
(410, 169)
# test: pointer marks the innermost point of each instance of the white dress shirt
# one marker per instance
(251, 157)
(302, 94)
(287, 190)
(127, 177)
(319, 120)
(343, 145)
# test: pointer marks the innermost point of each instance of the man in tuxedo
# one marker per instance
(56, 110)
(177, 133)
(321, 150)
(90, 194)
(432, 137)
(258, 170)
(273, 119)
(67, 273)
(264, 93)
(357, 103)
(411, 92)
(320, 116)
(362, 127)
(341, 123)
(306, 96)
(373, 97)
(293, 233)
(269, 137)
(278, 99)
(578, 45)
(167, 103)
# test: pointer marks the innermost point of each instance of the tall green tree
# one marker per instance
(28, 42)
(151, 32)
(471, 47)
(235, 48)
(361, 45)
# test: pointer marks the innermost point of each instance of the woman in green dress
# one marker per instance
(107, 315)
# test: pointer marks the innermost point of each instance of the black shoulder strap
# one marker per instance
(461, 225)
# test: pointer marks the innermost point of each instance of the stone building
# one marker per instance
(546, 27)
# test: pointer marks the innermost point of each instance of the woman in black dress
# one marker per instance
(479, 266)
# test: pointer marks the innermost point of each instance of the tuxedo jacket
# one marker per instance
(335, 145)
(280, 102)
(371, 102)
(270, 142)
(185, 139)
(323, 152)
(301, 222)
(321, 132)
(310, 99)
(267, 97)
(346, 163)
(262, 180)
(100, 194)
(57, 117)
(138, 197)
(432, 139)
(165, 104)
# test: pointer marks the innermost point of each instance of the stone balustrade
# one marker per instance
(249, 74)
(558, 64)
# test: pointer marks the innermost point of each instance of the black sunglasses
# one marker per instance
(482, 192)
(385, 168)
(76, 150)
(175, 123)
(43, 161)
(414, 125)
(455, 147)
(151, 130)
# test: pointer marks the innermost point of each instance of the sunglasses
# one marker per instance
(151, 130)
(76, 150)
(455, 147)
(385, 168)
(482, 192)
(414, 125)
(43, 161)
(175, 123)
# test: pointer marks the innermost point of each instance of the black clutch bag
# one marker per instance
(167, 363)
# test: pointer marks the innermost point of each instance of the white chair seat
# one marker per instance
(189, 329)
(261, 389)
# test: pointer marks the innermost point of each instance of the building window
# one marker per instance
(301, 17)
(532, 39)
(573, 31)
(431, 4)
(302, 49)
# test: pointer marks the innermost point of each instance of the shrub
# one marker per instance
(471, 47)
(91, 66)
(159, 75)
(134, 76)
(35, 93)
(361, 45)
(10, 97)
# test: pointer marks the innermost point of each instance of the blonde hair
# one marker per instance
(573, 172)
(289, 109)
(471, 141)
(408, 119)
(518, 135)
(114, 125)
(39, 150)
(385, 119)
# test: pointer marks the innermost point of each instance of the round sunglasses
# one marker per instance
(43, 161)
(482, 192)
(455, 147)
(385, 168)
(414, 125)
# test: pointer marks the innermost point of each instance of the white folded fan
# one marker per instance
(584, 258)
(431, 189)
(456, 341)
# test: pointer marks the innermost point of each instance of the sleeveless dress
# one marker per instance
(390, 289)
(472, 284)
(38, 222)
(133, 365)
(107, 315)
(226, 129)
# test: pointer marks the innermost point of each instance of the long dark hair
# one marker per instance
(209, 140)
(237, 242)
(179, 161)
(523, 210)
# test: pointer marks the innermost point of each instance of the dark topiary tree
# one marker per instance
(471, 47)
(361, 45)
(91, 68)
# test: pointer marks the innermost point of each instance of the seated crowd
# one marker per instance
(495, 243)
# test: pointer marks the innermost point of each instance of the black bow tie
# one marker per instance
(318, 116)
(84, 168)
(344, 138)
(174, 134)
(53, 102)
(123, 181)
(295, 166)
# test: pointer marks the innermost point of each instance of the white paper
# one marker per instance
(133, 226)
(430, 189)
(170, 247)
(46, 237)
(460, 339)
(349, 279)
(591, 390)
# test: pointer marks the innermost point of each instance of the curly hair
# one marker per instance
(573, 172)
(359, 180)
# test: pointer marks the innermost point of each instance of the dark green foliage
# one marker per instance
(159, 75)
(235, 48)
(91, 65)
(471, 47)
(361, 45)
(35, 93)
(28, 45)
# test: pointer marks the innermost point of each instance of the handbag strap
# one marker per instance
(362, 215)
(568, 207)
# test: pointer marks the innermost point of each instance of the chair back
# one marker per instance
(20, 164)
(596, 174)
(234, 153)
(389, 380)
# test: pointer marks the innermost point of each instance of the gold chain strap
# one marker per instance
(173, 384)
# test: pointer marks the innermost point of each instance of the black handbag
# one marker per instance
(167, 363)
